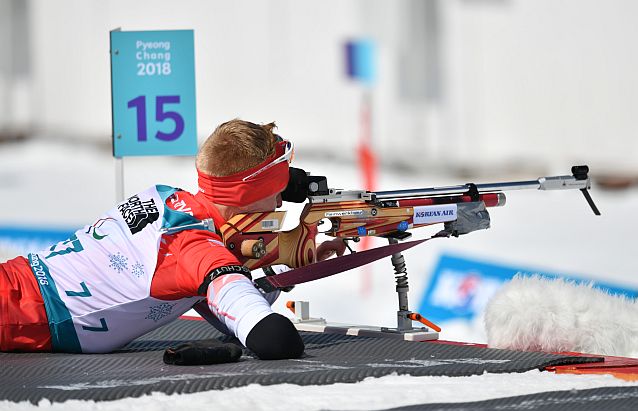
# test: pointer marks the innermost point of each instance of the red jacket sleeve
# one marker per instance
(183, 261)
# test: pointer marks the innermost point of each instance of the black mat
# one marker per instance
(329, 358)
(608, 398)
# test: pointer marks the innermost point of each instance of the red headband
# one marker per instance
(232, 190)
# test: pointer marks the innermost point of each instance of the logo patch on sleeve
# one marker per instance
(138, 214)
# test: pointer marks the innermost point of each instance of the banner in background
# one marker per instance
(153, 93)
(460, 287)
(16, 241)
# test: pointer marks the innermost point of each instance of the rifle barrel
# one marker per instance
(543, 183)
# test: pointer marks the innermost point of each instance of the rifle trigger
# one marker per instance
(348, 246)
(355, 239)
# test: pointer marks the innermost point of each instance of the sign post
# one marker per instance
(152, 95)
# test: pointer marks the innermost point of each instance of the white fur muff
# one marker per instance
(542, 314)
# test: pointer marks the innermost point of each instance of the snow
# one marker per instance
(371, 393)
(66, 185)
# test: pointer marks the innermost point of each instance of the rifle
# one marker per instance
(255, 240)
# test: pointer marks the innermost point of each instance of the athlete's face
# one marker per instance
(266, 204)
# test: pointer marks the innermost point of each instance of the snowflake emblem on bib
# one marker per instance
(119, 263)
(160, 311)
(137, 269)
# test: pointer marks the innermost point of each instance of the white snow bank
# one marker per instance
(370, 394)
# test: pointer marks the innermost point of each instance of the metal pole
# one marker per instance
(119, 161)
(119, 179)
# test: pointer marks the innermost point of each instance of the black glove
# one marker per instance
(202, 352)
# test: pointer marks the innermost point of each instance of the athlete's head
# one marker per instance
(235, 146)
(243, 167)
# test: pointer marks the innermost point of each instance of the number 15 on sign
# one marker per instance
(153, 93)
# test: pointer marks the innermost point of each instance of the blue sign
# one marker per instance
(153, 93)
(460, 287)
(360, 60)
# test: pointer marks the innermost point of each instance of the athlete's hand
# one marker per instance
(329, 248)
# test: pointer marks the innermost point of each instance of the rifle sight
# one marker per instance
(301, 185)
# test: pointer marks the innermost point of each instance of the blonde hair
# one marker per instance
(235, 146)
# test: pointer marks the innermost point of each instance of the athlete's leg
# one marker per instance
(242, 308)
(275, 338)
(23, 320)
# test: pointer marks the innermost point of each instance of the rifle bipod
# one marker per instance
(404, 329)
(404, 315)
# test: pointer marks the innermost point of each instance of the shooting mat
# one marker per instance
(138, 368)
